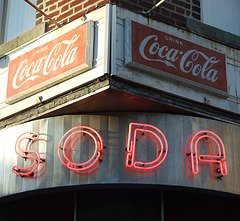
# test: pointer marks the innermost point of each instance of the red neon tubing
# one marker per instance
(68, 142)
(195, 158)
(147, 163)
(34, 137)
(80, 164)
(132, 144)
(211, 156)
(131, 147)
(198, 157)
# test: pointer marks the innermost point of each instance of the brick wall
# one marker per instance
(64, 11)
(171, 11)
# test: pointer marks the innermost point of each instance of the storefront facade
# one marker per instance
(121, 117)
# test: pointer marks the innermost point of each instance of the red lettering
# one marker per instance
(202, 147)
(136, 129)
(27, 154)
(208, 137)
(69, 141)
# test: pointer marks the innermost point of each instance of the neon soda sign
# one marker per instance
(27, 153)
(161, 144)
(70, 138)
(195, 158)
(68, 142)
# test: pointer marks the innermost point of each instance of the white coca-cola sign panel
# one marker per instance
(176, 58)
(51, 63)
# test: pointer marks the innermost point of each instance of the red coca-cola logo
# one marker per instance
(178, 57)
(47, 64)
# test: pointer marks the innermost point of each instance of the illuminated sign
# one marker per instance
(68, 142)
(150, 132)
(209, 138)
(151, 136)
(51, 63)
(27, 154)
(175, 58)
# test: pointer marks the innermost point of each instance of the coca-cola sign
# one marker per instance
(51, 63)
(176, 58)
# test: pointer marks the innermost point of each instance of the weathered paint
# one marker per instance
(227, 101)
(60, 59)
